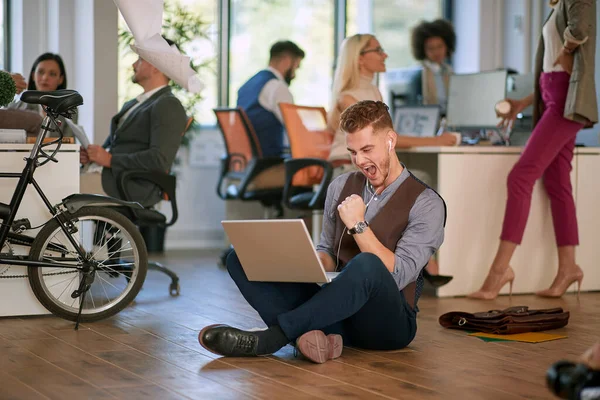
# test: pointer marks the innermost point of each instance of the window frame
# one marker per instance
(224, 48)
(6, 53)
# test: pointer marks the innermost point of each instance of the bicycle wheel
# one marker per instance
(113, 245)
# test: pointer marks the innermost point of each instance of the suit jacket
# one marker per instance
(581, 105)
(148, 140)
(21, 105)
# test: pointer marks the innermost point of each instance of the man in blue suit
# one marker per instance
(260, 96)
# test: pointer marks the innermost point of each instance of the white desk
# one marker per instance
(472, 181)
(57, 181)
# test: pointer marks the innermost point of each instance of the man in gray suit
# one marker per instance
(144, 135)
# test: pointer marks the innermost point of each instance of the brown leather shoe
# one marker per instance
(318, 347)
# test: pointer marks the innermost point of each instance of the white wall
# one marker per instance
(84, 33)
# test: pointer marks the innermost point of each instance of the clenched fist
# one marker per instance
(352, 210)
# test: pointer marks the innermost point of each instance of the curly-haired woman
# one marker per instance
(432, 44)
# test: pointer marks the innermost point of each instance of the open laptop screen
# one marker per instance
(417, 120)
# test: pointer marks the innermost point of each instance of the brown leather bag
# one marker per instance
(503, 322)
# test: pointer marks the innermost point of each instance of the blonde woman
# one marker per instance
(361, 58)
(564, 102)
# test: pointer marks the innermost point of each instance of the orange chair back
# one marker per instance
(240, 139)
(309, 138)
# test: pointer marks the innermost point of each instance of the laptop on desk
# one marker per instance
(276, 250)
(422, 120)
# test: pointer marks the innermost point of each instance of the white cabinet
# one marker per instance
(57, 181)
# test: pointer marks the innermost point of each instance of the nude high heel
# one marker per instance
(562, 284)
(500, 280)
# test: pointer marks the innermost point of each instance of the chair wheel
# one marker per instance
(174, 289)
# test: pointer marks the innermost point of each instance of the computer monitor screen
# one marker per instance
(472, 99)
(417, 120)
(519, 86)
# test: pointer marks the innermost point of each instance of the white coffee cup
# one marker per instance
(458, 138)
(502, 108)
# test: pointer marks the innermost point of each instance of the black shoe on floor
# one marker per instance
(436, 280)
(230, 342)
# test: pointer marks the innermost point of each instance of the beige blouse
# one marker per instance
(366, 90)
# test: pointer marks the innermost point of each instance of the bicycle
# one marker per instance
(88, 261)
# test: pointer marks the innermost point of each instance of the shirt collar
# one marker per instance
(276, 73)
(145, 96)
(394, 185)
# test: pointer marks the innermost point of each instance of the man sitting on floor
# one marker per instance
(380, 227)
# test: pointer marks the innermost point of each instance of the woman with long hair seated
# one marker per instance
(47, 74)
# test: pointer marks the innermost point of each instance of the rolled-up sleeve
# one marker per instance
(330, 215)
(579, 20)
(422, 237)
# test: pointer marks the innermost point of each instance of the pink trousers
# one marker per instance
(547, 155)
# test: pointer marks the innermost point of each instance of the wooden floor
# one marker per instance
(150, 351)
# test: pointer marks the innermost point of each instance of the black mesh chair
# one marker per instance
(149, 218)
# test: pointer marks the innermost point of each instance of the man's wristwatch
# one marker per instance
(360, 227)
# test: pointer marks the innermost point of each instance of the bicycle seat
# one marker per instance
(59, 101)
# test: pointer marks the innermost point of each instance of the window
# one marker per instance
(202, 50)
(391, 21)
(3, 34)
(257, 24)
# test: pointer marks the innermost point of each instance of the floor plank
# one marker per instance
(150, 350)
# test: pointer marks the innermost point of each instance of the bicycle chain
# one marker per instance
(25, 276)
(24, 243)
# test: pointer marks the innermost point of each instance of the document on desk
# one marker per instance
(144, 19)
(78, 133)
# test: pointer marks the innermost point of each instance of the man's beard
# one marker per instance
(385, 167)
(289, 75)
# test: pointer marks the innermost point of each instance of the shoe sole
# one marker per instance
(318, 348)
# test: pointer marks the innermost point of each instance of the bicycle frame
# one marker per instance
(26, 178)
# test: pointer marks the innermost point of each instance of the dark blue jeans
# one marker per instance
(363, 304)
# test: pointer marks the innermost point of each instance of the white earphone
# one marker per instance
(390, 145)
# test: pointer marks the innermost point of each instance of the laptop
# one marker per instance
(276, 250)
(422, 121)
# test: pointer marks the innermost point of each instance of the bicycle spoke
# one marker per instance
(110, 245)
(58, 283)
(94, 255)
(99, 277)
(104, 289)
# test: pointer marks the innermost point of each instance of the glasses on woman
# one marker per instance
(378, 50)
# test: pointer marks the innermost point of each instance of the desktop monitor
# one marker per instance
(472, 99)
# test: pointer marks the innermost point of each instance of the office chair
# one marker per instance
(307, 173)
(245, 174)
(150, 218)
